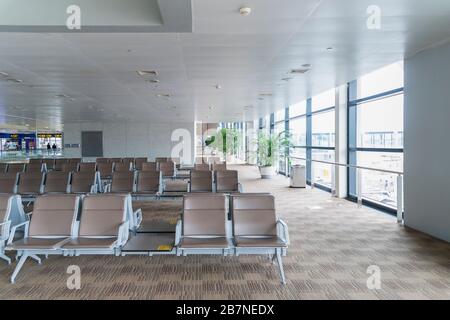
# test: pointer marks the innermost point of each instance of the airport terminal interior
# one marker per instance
(224, 149)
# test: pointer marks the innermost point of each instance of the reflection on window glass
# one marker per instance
(322, 171)
(323, 131)
(298, 109)
(297, 128)
(378, 186)
(279, 115)
(279, 128)
(324, 100)
(382, 80)
(380, 123)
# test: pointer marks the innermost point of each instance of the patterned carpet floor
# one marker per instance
(333, 242)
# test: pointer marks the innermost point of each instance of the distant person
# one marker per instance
(48, 147)
(54, 148)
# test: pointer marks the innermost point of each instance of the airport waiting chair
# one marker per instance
(57, 182)
(129, 162)
(138, 163)
(219, 167)
(70, 167)
(3, 167)
(8, 182)
(15, 167)
(122, 182)
(74, 160)
(227, 182)
(35, 161)
(167, 169)
(105, 169)
(162, 159)
(256, 229)
(85, 182)
(103, 226)
(35, 167)
(148, 183)
(149, 166)
(202, 228)
(121, 167)
(114, 160)
(58, 164)
(200, 181)
(87, 167)
(11, 215)
(101, 160)
(49, 164)
(202, 167)
(54, 220)
(30, 184)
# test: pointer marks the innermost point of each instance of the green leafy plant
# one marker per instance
(226, 141)
(270, 146)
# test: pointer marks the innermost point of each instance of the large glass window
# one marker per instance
(382, 80)
(324, 100)
(298, 109)
(297, 128)
(323, 129)
(376, 134)
(380, 123)
(322, 171)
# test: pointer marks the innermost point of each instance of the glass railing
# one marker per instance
(22, 155)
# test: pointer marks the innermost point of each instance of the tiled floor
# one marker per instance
(333, 242)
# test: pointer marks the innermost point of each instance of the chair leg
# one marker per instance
(280, 266)
(5, 257)
(18, 267)
(36, 258)
(273, 258)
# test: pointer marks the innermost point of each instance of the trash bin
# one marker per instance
(298, 176)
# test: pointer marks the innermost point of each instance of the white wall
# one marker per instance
(427, 142)
(122, 139)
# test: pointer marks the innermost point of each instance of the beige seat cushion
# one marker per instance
(90, 243)
(273, 242)
(206, 243)
(176, 186)
(36, 243)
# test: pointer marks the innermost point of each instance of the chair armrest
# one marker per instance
(178, 232)
(240, 187)
(137, 218)
(283, 231)
(94, 188)
(14, 229)
(124, 233)
(29, 215)
(4, 230)
(107, 188)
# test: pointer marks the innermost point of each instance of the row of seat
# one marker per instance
(254, 227)
(73, 225)
(31, 184)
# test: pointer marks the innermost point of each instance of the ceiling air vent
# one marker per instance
(148, 73)
(299, 71)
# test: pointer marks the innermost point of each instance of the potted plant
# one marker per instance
(227, 142)
(269, 148)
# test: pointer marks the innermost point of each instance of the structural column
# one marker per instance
(340, 172)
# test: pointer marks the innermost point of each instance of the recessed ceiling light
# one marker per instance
(218, 86)
(164, 95)
(27, 125)
(286, 79)
(265, 94)
(245, 11)
(143, 73)
(211, 107)
(330, 49)
(306, 65)
(61, 96)
(4, 74)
